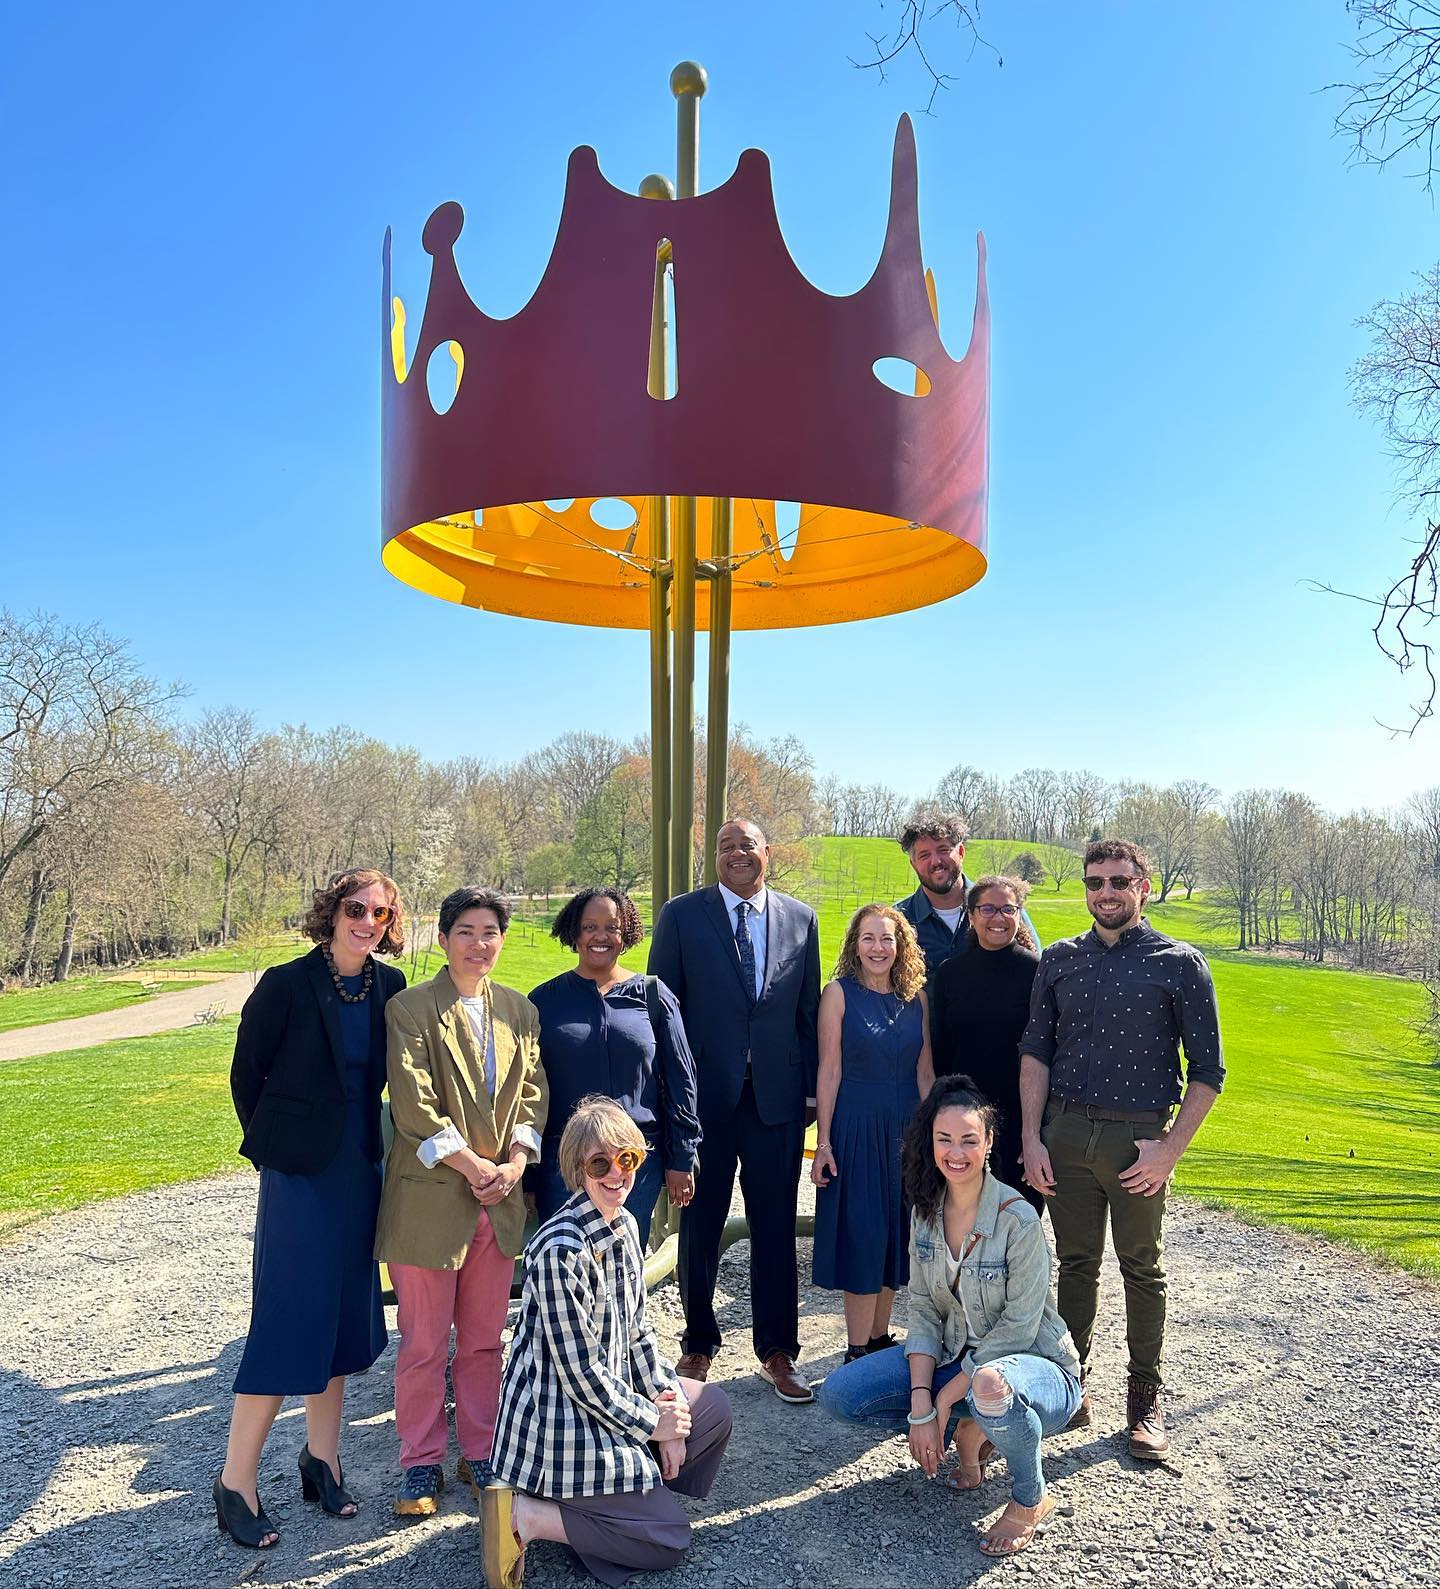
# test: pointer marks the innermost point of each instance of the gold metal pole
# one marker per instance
(717, 716)
(659, 187)
(688, 83)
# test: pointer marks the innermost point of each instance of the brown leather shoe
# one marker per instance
(1146, 1418)
(694, 1365)
(789, 1384)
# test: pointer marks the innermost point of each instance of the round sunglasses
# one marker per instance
(626, 1161)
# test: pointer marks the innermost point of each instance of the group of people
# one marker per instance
(961, 1082)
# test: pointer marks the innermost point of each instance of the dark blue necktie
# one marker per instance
(746, 949)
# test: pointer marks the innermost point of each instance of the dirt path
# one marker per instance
(1305, 1400)
(163, 1013)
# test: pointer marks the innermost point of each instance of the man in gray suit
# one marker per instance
(744, 962)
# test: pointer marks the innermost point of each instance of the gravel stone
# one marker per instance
(124, 1323)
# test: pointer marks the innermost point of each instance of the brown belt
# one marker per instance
(1089, 1110)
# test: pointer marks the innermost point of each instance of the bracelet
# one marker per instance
(926, 1389)
(822, 1147)
(928, 1417)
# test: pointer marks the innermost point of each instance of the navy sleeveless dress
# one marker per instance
(861, 1221)
(315, 1306)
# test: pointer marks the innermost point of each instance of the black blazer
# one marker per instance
(693, 952)
(288, 1074)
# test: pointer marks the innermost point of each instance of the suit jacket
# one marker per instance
(693, 952)
(437, 1079)
(288, 1074)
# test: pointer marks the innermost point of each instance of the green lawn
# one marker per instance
(100, 1122)
(1321, 1061)
(62, 1001)
(235, 957)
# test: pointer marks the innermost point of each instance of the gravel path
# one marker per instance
(1305, 1414)
(162, 1013)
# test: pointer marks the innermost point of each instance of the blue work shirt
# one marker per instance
(591, 1042)
(937, 942)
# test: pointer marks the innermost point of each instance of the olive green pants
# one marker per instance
(1086, 1158)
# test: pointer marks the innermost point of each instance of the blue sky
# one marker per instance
(195, 199)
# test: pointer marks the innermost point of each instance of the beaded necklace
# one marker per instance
(346, 997)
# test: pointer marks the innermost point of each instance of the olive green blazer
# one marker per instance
(437, 1079)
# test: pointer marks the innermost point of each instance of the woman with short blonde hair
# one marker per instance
(587, 1391)
(874, 1069)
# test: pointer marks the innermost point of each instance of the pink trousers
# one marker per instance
(473, 1299)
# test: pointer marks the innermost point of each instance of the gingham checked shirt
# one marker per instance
(576, 1398)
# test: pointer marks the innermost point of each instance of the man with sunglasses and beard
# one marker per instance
(1099, 1078)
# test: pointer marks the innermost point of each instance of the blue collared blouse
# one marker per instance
(591, 1042)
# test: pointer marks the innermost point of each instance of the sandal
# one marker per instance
(962, 1470)
(1015, 1543)
(234, 1517)
(504, 1549)
(317, 1483)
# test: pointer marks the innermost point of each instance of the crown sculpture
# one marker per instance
(532, 492)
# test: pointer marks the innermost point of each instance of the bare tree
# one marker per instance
(1392, 106)
(1391, 112)
(908, 33)
(963, 791)
(77, 720)
(229, 770)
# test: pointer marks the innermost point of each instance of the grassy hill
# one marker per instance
(1327, 1123)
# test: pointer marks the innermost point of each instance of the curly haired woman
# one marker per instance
(307, 1075)
(874, 1069)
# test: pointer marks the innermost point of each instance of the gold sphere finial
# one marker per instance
(656, 187)
(689, 78)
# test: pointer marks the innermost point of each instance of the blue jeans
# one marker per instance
(1042, 1400)
(551, 1192)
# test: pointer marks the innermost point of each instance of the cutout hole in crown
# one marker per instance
(900, 375)
(613, 513)
(444, 370)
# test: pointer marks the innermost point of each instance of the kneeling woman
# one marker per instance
(987, 1353)
(593, 1420)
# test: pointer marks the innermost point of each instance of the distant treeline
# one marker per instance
(126, 833)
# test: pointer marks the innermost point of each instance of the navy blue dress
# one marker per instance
(862, 1231)
(315, 1309)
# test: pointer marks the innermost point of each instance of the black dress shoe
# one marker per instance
(234, 1517)
(317, 1483)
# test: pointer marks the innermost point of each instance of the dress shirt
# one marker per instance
(591, 1042)
(755, 923)
(577, 1399)
(449, 1141)
(1109, 1019)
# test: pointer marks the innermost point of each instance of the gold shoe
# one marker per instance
(504, 1554)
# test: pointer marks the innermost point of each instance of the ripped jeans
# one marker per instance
(1039, 1398)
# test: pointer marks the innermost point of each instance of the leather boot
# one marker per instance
(1146, 1418)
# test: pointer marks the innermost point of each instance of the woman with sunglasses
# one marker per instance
(979, 1004)
(595, 1426)
(307, 1075)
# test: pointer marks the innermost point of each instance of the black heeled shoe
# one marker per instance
(318, 1484)
(234, 1517)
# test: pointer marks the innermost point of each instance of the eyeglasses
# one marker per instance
(358, 910)
(626, 1161)
(997, 910)
(1119, 884)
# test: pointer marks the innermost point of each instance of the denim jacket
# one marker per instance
(1004, 1284)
